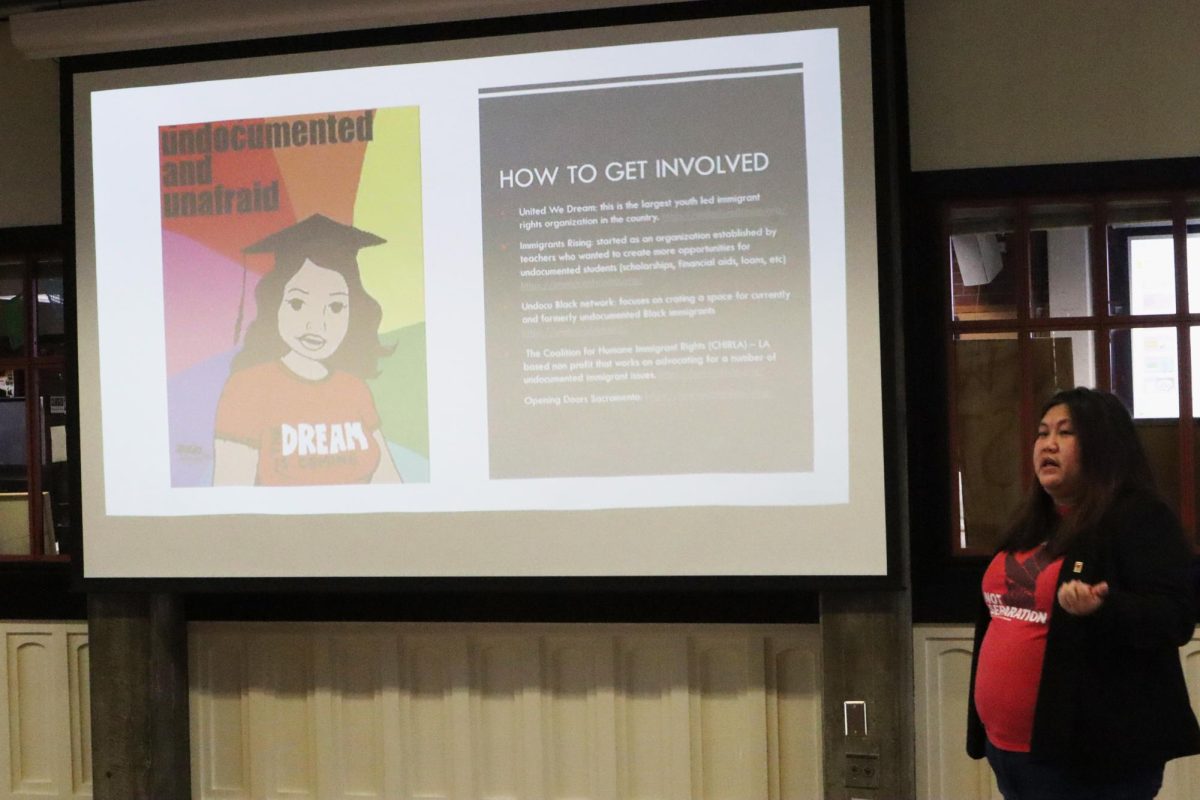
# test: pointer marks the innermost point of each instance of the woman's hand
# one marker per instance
(1081, 599)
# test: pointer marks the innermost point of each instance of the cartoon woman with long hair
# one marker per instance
(296, 409)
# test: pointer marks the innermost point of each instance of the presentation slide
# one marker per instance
(597, 303)
(642, 282)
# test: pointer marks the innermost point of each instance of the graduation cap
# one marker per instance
(317, 233)
(317, 237)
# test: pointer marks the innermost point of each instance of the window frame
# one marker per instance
(30, 248)
(1101, 323)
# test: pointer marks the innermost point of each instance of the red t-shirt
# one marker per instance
(1019, 590)
(306, 432)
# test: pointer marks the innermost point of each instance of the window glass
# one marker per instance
(1196, 465)
(1160, 439)
(982, 280)
(1195, 337)
(14, 485)
(1060, 241)
(1141, 259)
(1145, 371)
(987, 405)
(1062, 360)
(1193, 267)
(1193, 258)
(1145, 375)
(12, 307)
(56, 483)
(49, 285)
(1152, 274)
(1062, 338)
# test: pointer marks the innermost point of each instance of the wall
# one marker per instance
(1013, 82)
(382, 710)
(517, 711)
(45, 718)
(29, 151)
(389, 710)
(942, 661)
(991, 83)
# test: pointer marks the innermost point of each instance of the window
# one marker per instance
(1153, 352)
(1045, 295)
(35, 489)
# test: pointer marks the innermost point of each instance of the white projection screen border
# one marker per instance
(595, 302)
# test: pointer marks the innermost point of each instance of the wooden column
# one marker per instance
(866, 640)
(138, 653)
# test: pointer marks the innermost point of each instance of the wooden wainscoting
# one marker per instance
(942, 669)
(45, 719)
(465, 711)
(942, 672)
(332, 710)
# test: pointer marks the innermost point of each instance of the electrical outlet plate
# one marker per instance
(862, 771)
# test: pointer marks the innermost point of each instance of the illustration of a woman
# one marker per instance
(296, 409)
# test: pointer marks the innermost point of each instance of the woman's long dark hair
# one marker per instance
(1111, 459)
(359, 352)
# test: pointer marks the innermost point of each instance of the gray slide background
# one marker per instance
(720, 418)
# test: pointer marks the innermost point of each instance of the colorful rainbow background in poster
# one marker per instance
(207, 280)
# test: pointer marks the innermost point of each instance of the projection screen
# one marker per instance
(597, 302)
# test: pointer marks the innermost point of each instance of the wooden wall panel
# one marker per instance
(579, 716)
(581, 712)
(31, 661)
(1182, 778)
(942, 671)
(283, 715)
(220, 718)
(651, 717)
(729, 731)
(44, 724)
(362, 682)
(794, 715)
(942, 664)
(505, 712)
(435, 744)
(506, 734)
(80, 698)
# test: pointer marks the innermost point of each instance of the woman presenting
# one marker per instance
(1076, 686)
(296, 409)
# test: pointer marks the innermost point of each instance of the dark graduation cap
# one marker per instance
(315, 232)
(316, 236)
